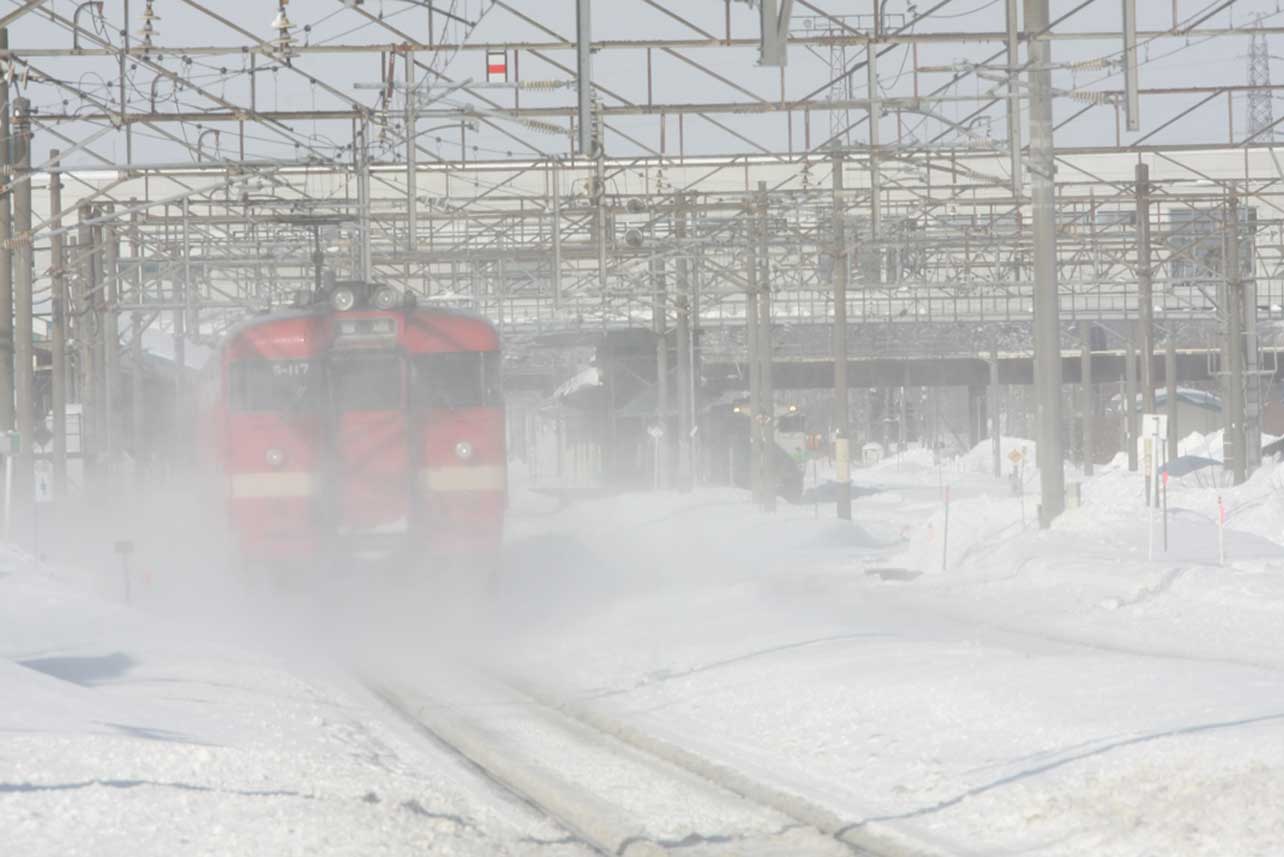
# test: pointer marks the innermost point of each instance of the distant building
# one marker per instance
(1197, 410)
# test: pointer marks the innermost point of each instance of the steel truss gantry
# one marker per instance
(468, 192)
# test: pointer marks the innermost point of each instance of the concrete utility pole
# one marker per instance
(85, 335)
(58, 330)
(556, 180)
(1253, 375)
(693, 353)
(1087, 405)
(584, 75)
(6, 255)
(137, 422)
(365, 266)
(682, 333)
(99, 304)
(767, 416)
(1130, 402)
(1236, 440)
(1047, 323)
(1012, 19)
(111, 338)
(1132, 97)
(1145, 296)
(841, 269)
(875, 170)
(24, 351)
(179, 442)
(660, 324)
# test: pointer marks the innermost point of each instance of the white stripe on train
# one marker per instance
(256, 486)
(477, 477)
(268, 484)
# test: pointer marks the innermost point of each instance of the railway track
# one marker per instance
(615, 789)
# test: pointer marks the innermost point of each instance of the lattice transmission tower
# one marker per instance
(1261, 111)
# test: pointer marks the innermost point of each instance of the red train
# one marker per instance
(356, 423)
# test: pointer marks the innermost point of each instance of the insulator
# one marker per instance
(1090, 97)
(543, 127)
(1098, 64)
(544, 84)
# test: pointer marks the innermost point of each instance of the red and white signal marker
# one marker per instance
(496, 66)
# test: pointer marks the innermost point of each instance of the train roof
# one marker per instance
(296, 313)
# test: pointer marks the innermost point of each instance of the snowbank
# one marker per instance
(1048, 691)
(980, 459)
(126, 734)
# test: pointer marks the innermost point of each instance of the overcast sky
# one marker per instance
(1167, 62)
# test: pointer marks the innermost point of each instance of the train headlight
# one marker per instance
(274, 457)
(386, 298)
(463, 450)
(343, 299)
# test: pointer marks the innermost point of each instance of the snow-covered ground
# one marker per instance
(1050, 692)
(996, 690)
(127, 732)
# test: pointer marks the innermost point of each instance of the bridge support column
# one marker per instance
(889, 402)
(902, 433)
(872, 417)
(975, 415)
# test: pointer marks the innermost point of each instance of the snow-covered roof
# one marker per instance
(1189, 395)
(1199, 398)
(590, 377)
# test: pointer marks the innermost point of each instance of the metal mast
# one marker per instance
(840, 91)
(1261, 113)
(1047, 324)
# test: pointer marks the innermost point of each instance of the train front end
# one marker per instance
(364, 426)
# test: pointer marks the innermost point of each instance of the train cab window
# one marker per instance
(791, 423)
(272, 385)
(366, 381)
(456, 379)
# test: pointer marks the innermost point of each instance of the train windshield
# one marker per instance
(369, 381)
(456, 379)
(791, 423)
(271, 385)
